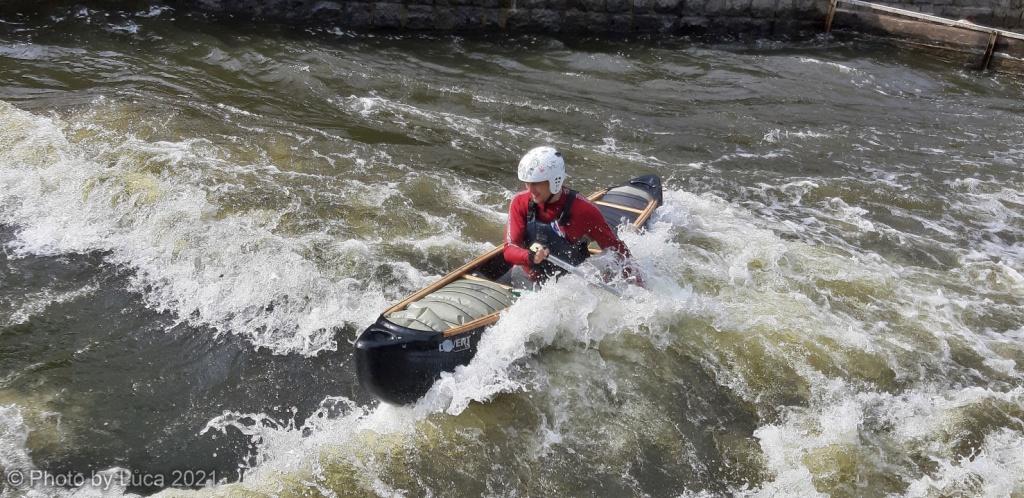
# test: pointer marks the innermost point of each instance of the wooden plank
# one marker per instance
(831, 15)
(1006, 64)
(646, 214)
(933, 19)
(483, 321)
(619, 207)
(998, 49)
(481, 279)
(913, 28)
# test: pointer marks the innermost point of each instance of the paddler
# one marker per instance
(559, 219)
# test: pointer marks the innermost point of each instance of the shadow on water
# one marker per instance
(133, 386)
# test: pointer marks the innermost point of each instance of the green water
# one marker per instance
(197, 218)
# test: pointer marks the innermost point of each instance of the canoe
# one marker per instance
(437, 328)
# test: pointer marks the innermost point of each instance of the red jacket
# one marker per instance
(585, 220)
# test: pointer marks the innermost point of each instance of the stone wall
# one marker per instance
(716, 17)
(757, 17)
(598, 17)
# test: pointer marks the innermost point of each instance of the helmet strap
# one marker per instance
(552, 196)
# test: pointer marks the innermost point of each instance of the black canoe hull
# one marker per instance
(398, 364)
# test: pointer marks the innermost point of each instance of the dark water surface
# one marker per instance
(196, 218)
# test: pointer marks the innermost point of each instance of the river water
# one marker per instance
(197, 219)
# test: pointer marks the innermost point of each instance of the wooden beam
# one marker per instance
(831, 15)
(973, 46)
(989, 51)
(1000, 49)
(481, 279)
(916, 28)
(479, 322)
(935, 19)
(619, 206)
(640, 220)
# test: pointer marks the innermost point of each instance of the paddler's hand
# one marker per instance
(540, 253)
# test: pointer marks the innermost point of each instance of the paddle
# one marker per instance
(576, 271)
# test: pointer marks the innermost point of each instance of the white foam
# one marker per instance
(840, 67)
(236, 272)
(129, 27)
(762, 279)
(816, 309)
(568, 313)
(525, 103)
(611, 147)
(563, 312)
(16, 459)
(154, 11)
(483, 131)
(447, 242)
(36, 303)
(996, 470)
(843, 426)
(777, 135)
(14, 454)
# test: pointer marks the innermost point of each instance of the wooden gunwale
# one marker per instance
(481, 279)
(618, 206)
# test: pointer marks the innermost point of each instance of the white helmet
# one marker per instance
(543, 163)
